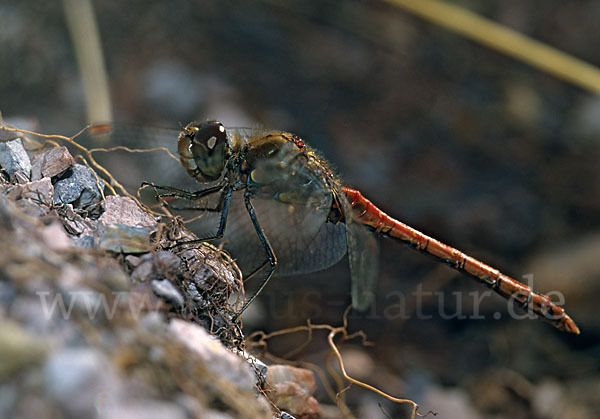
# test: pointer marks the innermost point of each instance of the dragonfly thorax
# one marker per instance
(204, 150)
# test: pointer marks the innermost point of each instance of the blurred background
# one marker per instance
(472, 147)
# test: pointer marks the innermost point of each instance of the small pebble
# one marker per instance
(55, 237)
(51, 163)
(85, 242)
(157, 265)
(14, 158)
(79, 187)
(217, 358)
(167, 291)
(259, 367)
(9, 395)
(119, 238)
(77, 378)
(124, 210)
(451, 402)
(40, 191)
(293, 389)
(143, 409)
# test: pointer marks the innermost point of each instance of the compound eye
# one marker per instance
(203, 150)
(209, 135)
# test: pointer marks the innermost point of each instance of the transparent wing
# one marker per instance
(291, 200)
(302, 242)
(134, 154)
(292, 203)
(363, 256)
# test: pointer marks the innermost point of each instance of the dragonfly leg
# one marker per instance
(180, 193)
(224, 203)
(223, 207)
(271, 260)
(218, 208)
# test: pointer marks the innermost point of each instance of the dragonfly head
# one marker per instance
(203, 150)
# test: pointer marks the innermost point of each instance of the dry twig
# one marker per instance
(335, 351)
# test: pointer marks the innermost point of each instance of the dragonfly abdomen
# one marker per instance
(368, 214)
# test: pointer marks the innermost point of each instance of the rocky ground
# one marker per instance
(477, 149)
(98, 321)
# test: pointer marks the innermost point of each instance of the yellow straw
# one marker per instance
(506, 40)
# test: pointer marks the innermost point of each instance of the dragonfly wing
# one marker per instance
(134, 153)
(363, 256)
(325, 249)
(292, 202)
(303, 242)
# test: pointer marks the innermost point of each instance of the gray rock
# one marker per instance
(454, 400)
(214, 414)
(167, 291)
(7, 135)
(20, 178)
(133, 261)
(124, 210)
(76, 378)
(259, 367)
(55, 237)
(8, 398)
(153, 322)
(119, 238)
(31, 405)
(143, 409)
(124, 226)
(549, 399)
(39, 191)
(75, 224)
(216, 357)
(34, 313)
(85, 242)
(14, 158)
(79, 188)
(156, 265)
(7, 293)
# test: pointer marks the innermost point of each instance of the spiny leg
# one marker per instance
(223, 207)
(180, 193)
(271, 258)
(218, 208)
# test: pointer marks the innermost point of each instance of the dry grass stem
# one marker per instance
(505, 40)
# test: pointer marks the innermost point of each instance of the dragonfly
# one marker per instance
(280, 210)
